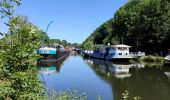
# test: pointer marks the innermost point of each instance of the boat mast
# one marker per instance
(122, 39)
(46, 31)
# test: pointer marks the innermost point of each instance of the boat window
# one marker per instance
(120, 53)
(122, 48)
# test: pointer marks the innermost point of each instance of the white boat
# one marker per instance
(113, 52)
(167, 58)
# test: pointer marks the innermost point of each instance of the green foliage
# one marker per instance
(126, 96)
(69, 95)
(53, 41)
(76, 45)
(7, 7)
(98, 98)
(18, 57)
(143, 24)
(152, 59)
(88, 45)
(64, 42)
(58, 41)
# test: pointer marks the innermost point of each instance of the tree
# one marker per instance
(143, 24)
(7, 7)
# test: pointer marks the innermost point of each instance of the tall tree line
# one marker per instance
(143, 24)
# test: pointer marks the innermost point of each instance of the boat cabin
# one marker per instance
(116, 49)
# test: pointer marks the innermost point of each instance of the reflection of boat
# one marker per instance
(53, 51)
(47, 70)
(113, 52)
(119, 70)
(49, 66)
(152, 78)
(168, 75)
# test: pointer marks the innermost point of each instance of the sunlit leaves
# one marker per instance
(143, 24)
(18, 57)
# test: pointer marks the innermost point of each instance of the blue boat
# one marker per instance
(47, 50)
(53, 51)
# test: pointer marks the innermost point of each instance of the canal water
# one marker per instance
(105, 79)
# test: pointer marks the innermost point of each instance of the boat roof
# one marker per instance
(120, 45)
(115, 46)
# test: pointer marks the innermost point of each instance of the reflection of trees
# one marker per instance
(149, 83)
(73, 53)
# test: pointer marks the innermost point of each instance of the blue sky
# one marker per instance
(73, 20)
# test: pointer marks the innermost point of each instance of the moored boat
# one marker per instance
(53, 51)
(113, 52)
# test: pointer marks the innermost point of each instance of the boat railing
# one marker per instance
(137, 54)
(88, 51)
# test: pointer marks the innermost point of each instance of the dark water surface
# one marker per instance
(109, 80)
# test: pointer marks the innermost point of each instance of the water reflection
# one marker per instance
(117, 69)
(109, 80)
(50, 66)
(149, 83)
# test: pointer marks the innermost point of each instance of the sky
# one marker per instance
(73, 20)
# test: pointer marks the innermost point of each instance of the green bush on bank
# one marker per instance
(151, 58)
(69, 95)
(18, 73)
(150, 61)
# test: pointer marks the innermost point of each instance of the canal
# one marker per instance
(105, 79)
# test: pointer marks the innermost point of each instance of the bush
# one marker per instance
(151, 58)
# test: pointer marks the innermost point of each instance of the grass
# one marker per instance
(150, 61)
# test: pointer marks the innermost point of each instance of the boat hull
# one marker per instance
(59, 55)
(120, 58)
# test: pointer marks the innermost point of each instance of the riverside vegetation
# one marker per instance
(18, 72)
(150, 61)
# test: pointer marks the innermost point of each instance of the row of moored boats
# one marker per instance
(109, 52)
(113, 52)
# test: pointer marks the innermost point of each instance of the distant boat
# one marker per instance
(113, 52)
(53, 51)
